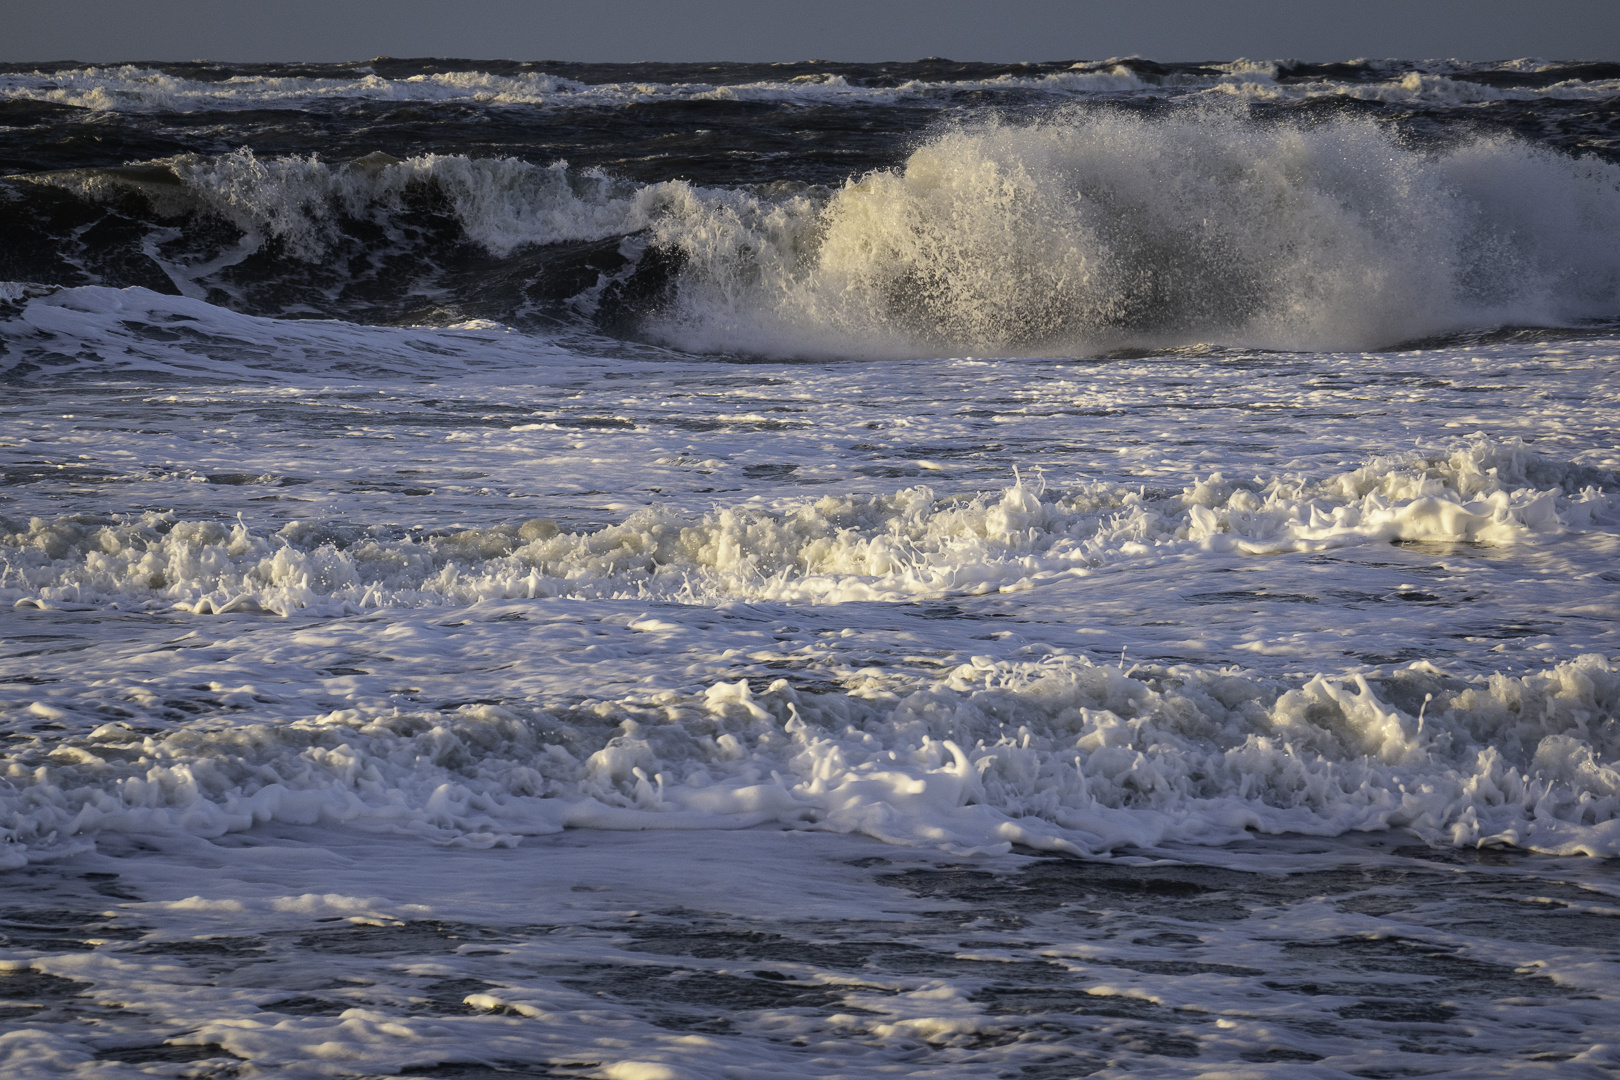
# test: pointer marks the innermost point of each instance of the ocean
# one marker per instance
(936, 569)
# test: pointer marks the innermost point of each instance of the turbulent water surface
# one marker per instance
(659, 572)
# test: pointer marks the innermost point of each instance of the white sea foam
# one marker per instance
(1058, 755)
(907, 545)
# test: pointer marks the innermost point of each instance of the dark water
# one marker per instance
(1362, 959)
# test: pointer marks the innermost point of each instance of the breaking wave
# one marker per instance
(1056, 753)
(1084, 232)
(1094, 231)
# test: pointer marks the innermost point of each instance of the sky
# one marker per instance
(776, 30)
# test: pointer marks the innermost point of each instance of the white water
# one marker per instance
(1056, 754)
(1091, 231)
(624, 552)
(908, 545)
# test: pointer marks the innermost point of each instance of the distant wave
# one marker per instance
(181, 88)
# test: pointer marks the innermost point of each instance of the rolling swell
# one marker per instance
(1085, 230)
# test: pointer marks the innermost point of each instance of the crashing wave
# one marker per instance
(1097, 230)
(1084, 232)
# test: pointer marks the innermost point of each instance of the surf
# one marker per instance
(1084, 231)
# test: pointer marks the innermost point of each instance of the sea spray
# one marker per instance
(1092, 230)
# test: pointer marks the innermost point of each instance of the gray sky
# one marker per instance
(624, 30)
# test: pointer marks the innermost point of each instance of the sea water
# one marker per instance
(813, 570)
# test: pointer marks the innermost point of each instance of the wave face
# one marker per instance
(1088, 230)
